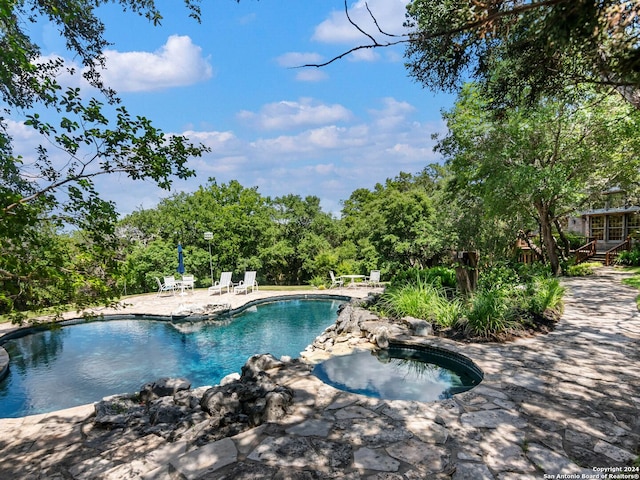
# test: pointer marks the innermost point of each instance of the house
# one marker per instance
(608, 226)
(612, 224)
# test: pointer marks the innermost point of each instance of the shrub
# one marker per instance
(499, 276)
(630, 258)
(575, 240)
(543, 294)
(318, 281)
(527, 271)
(439, 276)
(581, 269)
(491, 314)
(422, 300)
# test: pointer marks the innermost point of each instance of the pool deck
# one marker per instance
(562, 404)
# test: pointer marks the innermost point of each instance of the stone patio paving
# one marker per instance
(566, 403)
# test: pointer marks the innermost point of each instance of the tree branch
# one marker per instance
(408, 38)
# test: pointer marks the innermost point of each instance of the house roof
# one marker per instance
(610, 211)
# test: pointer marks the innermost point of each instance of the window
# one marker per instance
(597, 227)
(616, 230)
(633, 224)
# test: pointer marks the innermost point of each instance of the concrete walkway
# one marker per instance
(553, 406)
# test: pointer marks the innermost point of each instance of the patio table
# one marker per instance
(352, 278)
(181, 285)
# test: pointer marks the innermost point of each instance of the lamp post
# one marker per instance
(209, 236)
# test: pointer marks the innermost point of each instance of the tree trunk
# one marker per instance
(546, 223)
(566, 250)
(467, 272)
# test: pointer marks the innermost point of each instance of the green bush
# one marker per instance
(630, 258)
(505, 301)
(581, 269)
(421, 300)
(318, 281)
(498, 276)
(491, 313)
(575, 240)
(439, 276)
(527, 271)
(543, 294)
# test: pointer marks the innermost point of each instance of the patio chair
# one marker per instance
(335, 282)
(373, 280)
(224, 282)
(188, 282)
(249, 282)
(164, 287)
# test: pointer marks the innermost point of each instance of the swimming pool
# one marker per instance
(401, 372)
(55, 369)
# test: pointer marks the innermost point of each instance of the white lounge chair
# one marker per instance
(373, 280)
(249, 282)
(224, 282)
(170, 282)
(165, 287)
(187, 283)
(335, 282)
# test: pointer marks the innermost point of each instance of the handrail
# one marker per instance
(586, 251)
(613, 253)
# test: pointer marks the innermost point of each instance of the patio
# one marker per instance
(558, 404)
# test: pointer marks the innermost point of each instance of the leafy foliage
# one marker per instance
(424, 300)
(52, 190)
(507, 300)
(540, 48)
(438, 276)
(535, 164)
(491, 313)
(631, 257)
(582, 269)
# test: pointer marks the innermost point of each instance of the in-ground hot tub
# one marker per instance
(402, 372)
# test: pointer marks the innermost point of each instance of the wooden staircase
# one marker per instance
(588, 252)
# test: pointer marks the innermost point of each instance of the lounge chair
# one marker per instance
(335, 282)
(187, 283)
(165, 287)
(224, 282)
(249, 282)
(373, 280)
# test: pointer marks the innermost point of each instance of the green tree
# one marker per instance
(541, 47)
(395, 225)
(81, 140)
(239, 218)
(303, 230)
(542, 161)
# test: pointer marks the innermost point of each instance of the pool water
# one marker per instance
(55, 369)
(401, 373)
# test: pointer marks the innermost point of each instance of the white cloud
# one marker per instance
(392, 114)
(296, 59)
(313, 142)
(329, 161)
(389, 14)
(217, 141)
(364, 55)
(177, 63)
(290, 114)
(311, 75)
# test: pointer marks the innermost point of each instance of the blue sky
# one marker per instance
(227, 82)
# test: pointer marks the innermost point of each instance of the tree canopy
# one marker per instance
(543, 161)
(540, 46)
(53, 188)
